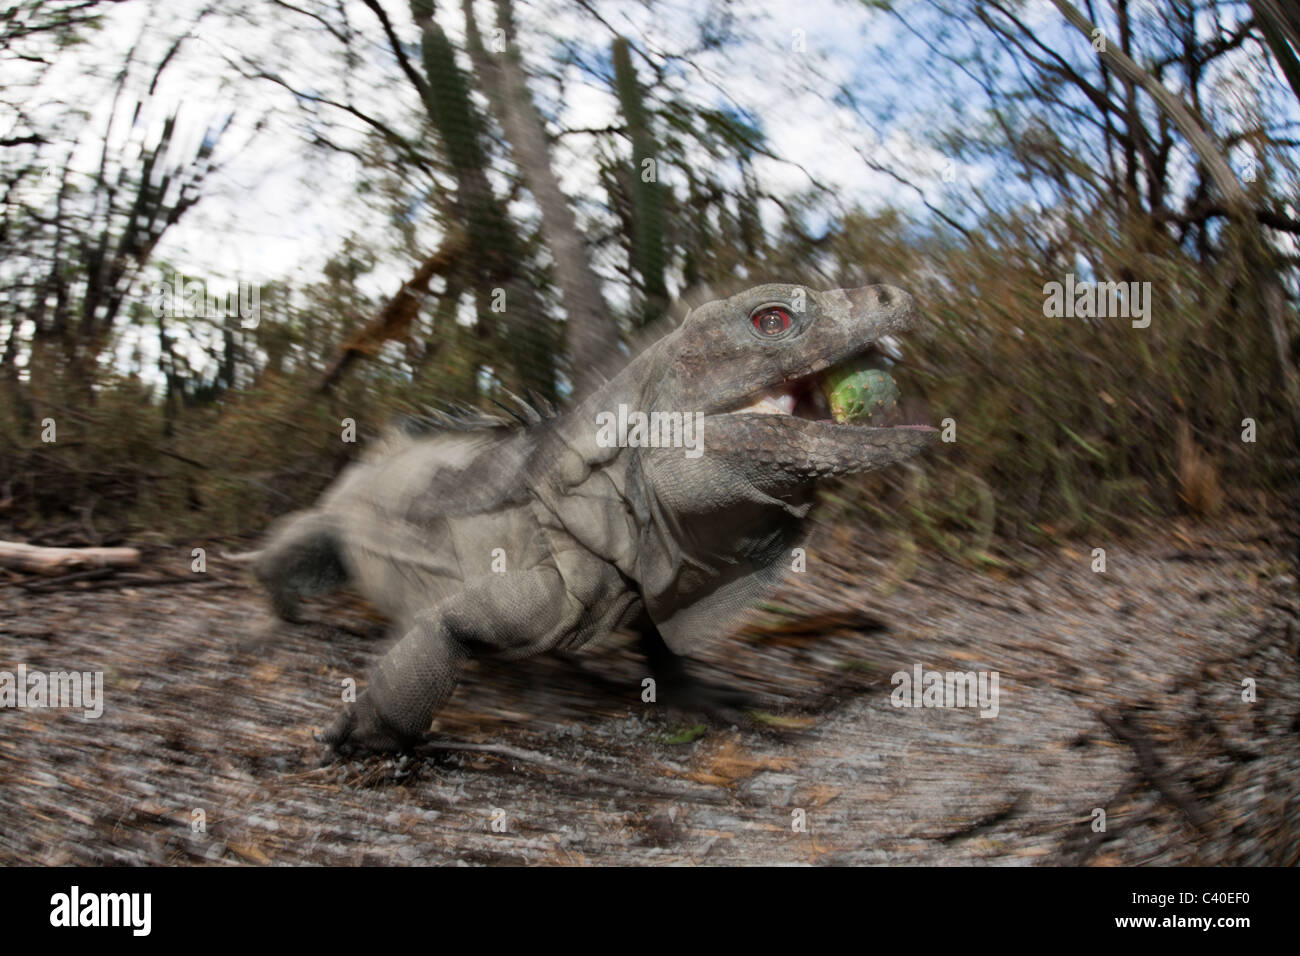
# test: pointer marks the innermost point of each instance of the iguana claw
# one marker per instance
(359, 730)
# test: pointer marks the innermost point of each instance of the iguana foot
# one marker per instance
(680, 691)
(360, 730)
(722, 704)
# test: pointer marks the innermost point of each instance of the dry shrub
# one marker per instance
(1198, 479)
(1075, 423)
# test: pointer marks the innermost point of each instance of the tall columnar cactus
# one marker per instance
(459, 125)
(524, 339)
(648, 253)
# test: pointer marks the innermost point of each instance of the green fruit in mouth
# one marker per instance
(859, 390)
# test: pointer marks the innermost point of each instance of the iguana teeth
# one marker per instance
(773, 403)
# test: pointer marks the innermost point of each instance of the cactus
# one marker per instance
(648, 254)
(859, 391)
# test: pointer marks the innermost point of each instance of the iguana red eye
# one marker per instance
(772, 321)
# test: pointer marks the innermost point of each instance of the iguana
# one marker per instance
(514, 541)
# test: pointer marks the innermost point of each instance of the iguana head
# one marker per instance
(717, 530)
(762, 366)
(714, 523)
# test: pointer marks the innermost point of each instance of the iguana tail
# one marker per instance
(303, 556)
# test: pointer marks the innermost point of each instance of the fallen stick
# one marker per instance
(101, 579)
(38, 560)
(1152, 768)
(48, 583)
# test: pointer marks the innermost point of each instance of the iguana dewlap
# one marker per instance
(511, 541)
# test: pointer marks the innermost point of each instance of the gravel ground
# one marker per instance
(1119, 692)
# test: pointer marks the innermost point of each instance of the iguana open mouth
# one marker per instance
(859, 391)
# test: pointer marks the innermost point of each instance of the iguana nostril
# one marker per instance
(876, 298)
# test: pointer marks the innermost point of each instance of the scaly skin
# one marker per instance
(514, 541)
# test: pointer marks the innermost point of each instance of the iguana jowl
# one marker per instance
(595, 538)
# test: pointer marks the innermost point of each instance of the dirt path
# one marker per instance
(1119, 692)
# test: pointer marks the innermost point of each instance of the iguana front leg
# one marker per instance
(678, 689)
(408, 686)
(516, 614)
